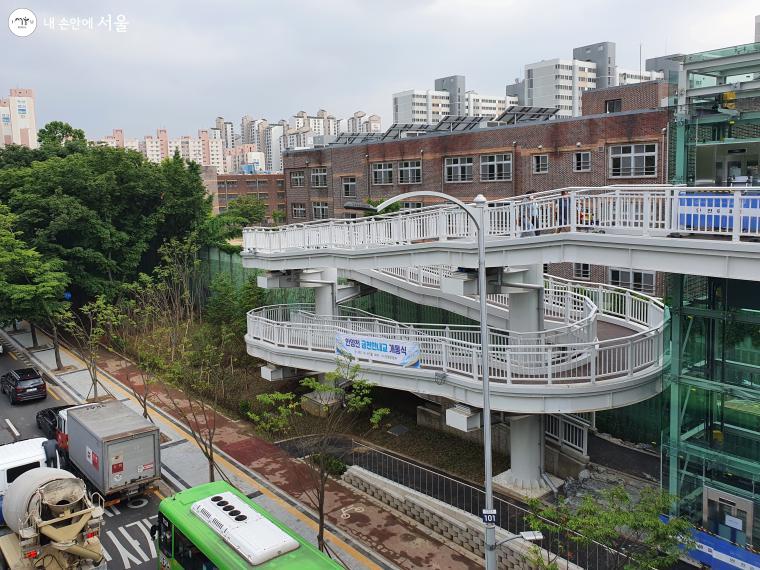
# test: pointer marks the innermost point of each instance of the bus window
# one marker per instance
(164, 535)
(188, 555)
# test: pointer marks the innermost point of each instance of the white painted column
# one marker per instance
(526, 305)
(525, 433)
(526, 314)
(325, 291)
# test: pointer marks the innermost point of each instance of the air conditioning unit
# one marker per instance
(463, 418)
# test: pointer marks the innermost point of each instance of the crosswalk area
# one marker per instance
(126, 534)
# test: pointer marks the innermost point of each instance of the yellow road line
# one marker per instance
(52, 392)
(243, 475)
(13, 356)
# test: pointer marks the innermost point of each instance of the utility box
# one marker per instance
(463, 418)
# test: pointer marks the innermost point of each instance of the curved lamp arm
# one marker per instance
(480, 201)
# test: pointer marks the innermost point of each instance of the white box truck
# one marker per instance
(113, 447)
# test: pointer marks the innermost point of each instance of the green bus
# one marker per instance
(215, 527)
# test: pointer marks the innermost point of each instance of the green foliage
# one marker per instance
(389, 210)
(278, 217)
(104, 212)
(626, 526)
(17, 156)
(541, 559)
(223, 303)
(244, 407)
(31, 287)
(277, 412)
(333, 466)
(248, 209)
(61, 139)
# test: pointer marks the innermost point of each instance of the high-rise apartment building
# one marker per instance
(274, 145)
(559, 83)
(207, 149)
(360, 123)
(455, 86)
(18, 121)
(321, 124)
(448, 98)
(150, 147)
(602, 54)
(245, 159)
(228, 132)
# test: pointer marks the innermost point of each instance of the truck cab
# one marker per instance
(21, 456)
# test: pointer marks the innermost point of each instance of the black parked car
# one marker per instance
(23, 384)
(47, 420)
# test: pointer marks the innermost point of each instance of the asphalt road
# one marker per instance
(126, 532)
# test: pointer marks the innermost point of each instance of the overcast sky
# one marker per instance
(181, 64)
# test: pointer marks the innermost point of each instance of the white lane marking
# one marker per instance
(133, 543)
(16, 434)
(105, 552)
(126, 557)
(112, 511)
(144, 526)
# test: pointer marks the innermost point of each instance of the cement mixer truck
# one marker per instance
(52, 523)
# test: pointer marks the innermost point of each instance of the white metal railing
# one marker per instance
(575, 311)
(566, 430)
(637, 210)
(456, 349)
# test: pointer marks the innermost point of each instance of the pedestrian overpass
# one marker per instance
(555, 346)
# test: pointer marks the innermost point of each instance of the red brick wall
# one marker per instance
(231, 186)
(646, 95)
(558, 139)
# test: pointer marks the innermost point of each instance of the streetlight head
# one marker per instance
(480, 200)
(532, 535)
(360, 206)
(578, 144)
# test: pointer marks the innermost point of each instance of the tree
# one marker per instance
(278, 217)
(633, 531)
(59, 138)
(88, 328)
(17, 156)
(248, 209)
(395, 207)
(31, 288)
(104, 212)
(342, 398)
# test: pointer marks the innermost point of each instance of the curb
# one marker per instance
(170, 481)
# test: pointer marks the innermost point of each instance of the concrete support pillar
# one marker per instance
(325, 285)
(526, 306)
(525, 442)
(525, 477)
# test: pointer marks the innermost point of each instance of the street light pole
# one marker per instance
(480, 204)
(479, 221)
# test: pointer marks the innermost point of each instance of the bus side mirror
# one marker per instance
(153, 531)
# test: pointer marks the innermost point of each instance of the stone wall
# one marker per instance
(450, 524)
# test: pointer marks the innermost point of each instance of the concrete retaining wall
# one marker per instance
(452, 525)
(559, 460)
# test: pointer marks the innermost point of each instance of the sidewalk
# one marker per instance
(364, 534)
